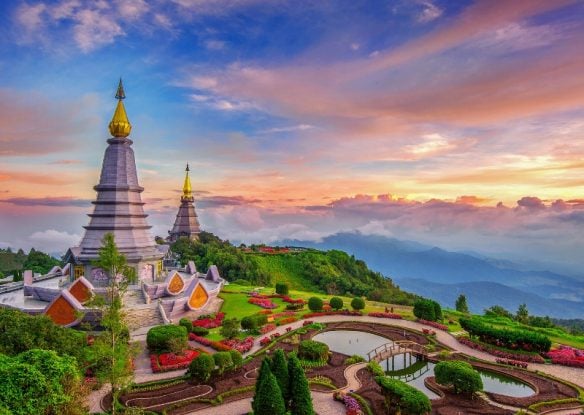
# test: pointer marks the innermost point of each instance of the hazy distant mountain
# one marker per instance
(551, 293)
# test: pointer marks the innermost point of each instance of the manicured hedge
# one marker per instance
(427, 310)
(509, 338)
(202, 367)
(403, 397)
(313, 350)
(159, 337)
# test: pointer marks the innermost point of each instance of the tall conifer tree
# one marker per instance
(301, 400)
(279, 368)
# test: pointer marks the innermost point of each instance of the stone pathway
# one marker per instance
(350, 373)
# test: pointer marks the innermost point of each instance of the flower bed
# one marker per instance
(567, 356)
(210, 322)
(531, 358)
(510, 362)
(265, 341)
(242, 346)
(166, 362)
(433, 324)
(287, 320)
(262, 302)
(386, 315)
(429, 332)
(352, 407)
(267, 328)
(220, 347)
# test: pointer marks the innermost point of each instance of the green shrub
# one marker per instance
(402, 397)
(201, 367)
(295, 306)
(159, 338)
(358, 303)
(279, 368)
(315, 304)
(223, 361)
(282, 288)
(186, 323)
(254, 322)
(354, 359)
(236, 359)
(230, 328)
(427, 310)
(375, 368)
(460, 375)
(268, 398)
(509, 338)
(336, 303)
(313, 350)
(301, 400)
(200, 331)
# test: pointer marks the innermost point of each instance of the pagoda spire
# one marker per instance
(120, 126)
(187, 189)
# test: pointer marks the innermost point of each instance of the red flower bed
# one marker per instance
(265, 341)
(429, 332)
(262, 302)
(166, 362)
(242, 346)
(289, 300)
(307, 323)
(567, 356)
(433, 324)
(266, 312)
(210, 323)
(515, 363)
(386, 315)
(532, 358)
(267, 328)
(285, 314)
(220, 347)
(287, 320)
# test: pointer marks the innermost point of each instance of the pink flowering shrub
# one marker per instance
(352, 407)
(262, 302)
(567, 356)
(510, 362)
(267, 328)
(242, 346)
(265, 341)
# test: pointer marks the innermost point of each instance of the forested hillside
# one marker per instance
(13, 263)
(333, 272)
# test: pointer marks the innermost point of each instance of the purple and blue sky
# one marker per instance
(455, 123)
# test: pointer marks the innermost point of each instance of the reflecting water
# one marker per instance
(351, 342)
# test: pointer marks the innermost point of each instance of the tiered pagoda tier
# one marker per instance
(118, 207)
(186, 223)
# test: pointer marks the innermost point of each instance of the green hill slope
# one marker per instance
(331, 272)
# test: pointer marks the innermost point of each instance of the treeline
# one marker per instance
(333, 272)
(508, 338)
(13, 263)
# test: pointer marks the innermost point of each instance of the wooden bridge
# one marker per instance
(385, 351)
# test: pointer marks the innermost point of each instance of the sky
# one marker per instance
(454, 123)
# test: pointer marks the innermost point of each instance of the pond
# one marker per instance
(408, 368)
(413, 371)
(351, 342)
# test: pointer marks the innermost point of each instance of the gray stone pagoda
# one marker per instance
(118, 209)
(186, 223)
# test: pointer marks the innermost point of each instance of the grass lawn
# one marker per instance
(235, 303)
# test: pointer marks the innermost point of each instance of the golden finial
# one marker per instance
(187, 190)
(120, 125)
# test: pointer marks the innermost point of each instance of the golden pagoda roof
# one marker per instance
(120, 125)
(187, 189)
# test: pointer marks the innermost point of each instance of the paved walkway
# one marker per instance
(350, 373)
(324, 404)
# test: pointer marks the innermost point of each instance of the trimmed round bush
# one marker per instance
(315, 304)
(358, 303)
(460, 375)
(159, 338)
(253, 322)
(313, 350)
(336, 303)
(186, 323)
(282, 288)
(400, 395)
(201, 367)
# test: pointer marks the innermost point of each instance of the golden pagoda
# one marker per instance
(120, 126)
(186, 223)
